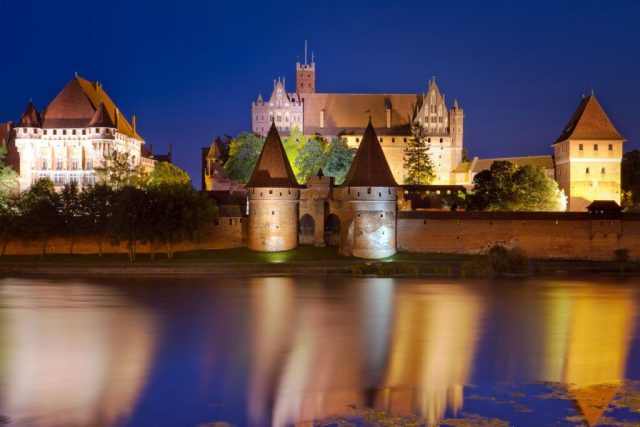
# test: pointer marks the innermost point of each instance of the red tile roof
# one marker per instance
(76, 105)
(30, 117)
(369, 167)
(101, 118)
(272, 168)
(589, 122)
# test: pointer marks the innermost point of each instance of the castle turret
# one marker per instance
(456, 128)
(306, 74)
(368, 196)
(274, 196)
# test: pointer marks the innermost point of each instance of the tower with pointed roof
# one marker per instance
(72, 136)
(274, 196)
(588, 156)
(368, 196)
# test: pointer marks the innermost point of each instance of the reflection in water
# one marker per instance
(73, 355)
(434, 340)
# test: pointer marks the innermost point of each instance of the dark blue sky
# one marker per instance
(189, 70)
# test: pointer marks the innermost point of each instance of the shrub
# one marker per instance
(507, 261)
(477, 267)
(621, 255)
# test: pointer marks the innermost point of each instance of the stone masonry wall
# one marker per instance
(540, 235)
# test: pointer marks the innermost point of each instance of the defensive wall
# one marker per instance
(566, 235)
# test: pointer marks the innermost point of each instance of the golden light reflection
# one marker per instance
(66, 361)
(435, 333)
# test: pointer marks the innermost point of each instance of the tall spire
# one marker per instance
(369, 167)
(272, 168)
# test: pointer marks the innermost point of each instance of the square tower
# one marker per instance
(588, 155)
(306, 77)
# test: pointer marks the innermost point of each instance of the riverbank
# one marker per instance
(305, 260)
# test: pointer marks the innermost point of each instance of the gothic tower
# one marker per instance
(588, 155)
(274, 196)
(368, 196)
(306, 74)
(456, 127)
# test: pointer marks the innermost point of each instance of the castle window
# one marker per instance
(97, 130)
(393, 140)
(73, 132)
(357, 139)
(405, 140)
(428, 139)
(580, 147)
(44, 163)
(595, 147)
(270, 191)
(59, 164)
(380, 139)
(64, 132)
(89, 164)
(273, 212)
(84, 132)
(74, 163)
(588, 170)
(45, 132)
(369, 190)
(55, 132)
(603, 171)
(610, 147)
(441, 140)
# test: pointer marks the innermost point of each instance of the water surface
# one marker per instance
(284, 351)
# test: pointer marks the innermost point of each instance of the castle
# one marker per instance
(341, 114)
(70, 138)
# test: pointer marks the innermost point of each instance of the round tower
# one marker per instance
(274, 196)
(368, 196)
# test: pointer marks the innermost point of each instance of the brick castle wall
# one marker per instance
(540, 235)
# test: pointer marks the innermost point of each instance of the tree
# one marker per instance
(507, 187)
(129, 220)
(40, 213)
(338, 159)
(417, 161)
(167, 174)
(310, 159)
(9, 179)
(96, 204)
(71, 212)
(117, 171)
(178, 213)
(9, 225)
(631, 178)
(243, 155)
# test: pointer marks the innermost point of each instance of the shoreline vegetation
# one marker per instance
(309, 260)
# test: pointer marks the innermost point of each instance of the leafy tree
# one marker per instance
(417, 161)
(631, 178)
(40, 213)
(178, 214)
(130, 218)
(9, 225)
(310, 159)
(338, 159)
(96, 204)
(507, 187)
(71, 212)
(8, 179)
(117, 171)
(167, 174)
(243, 155)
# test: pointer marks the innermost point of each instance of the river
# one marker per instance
(280, 351)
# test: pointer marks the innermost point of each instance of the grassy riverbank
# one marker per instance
(301, 261)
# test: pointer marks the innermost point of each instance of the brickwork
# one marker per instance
(547, 235)
(272, 219)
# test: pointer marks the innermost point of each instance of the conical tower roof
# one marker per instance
(101, 118)
(272, 168)
(30, 118)
(589, 122)
(369, 167)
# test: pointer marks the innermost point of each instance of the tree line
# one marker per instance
(161, 209)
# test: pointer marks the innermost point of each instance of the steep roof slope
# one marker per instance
(30, 118)
(272, 168)
(76, 105)
(369, 167)
(589, 122)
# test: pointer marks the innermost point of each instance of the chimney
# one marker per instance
(322, 118)
(133, 123)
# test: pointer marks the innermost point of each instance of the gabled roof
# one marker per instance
(217, 150)
(369, 167)
(30, 118)
(589, 122)
(76, 105)
(101, 118)
(545, 162)
(272, 168)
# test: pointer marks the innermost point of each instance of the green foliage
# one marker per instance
(338, 159)
(130, 217)
(71, 212)
(503, 260)
(117, 172)
(507, 187)
(310, 159)
(40, 218)
(417, 161)
(167, 174)
(96, 203)
(476, 267)
(243, 155)
(631, 178)
(8, 179)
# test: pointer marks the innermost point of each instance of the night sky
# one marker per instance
(189, 70)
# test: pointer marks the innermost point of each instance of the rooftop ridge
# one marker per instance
(273, 168)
